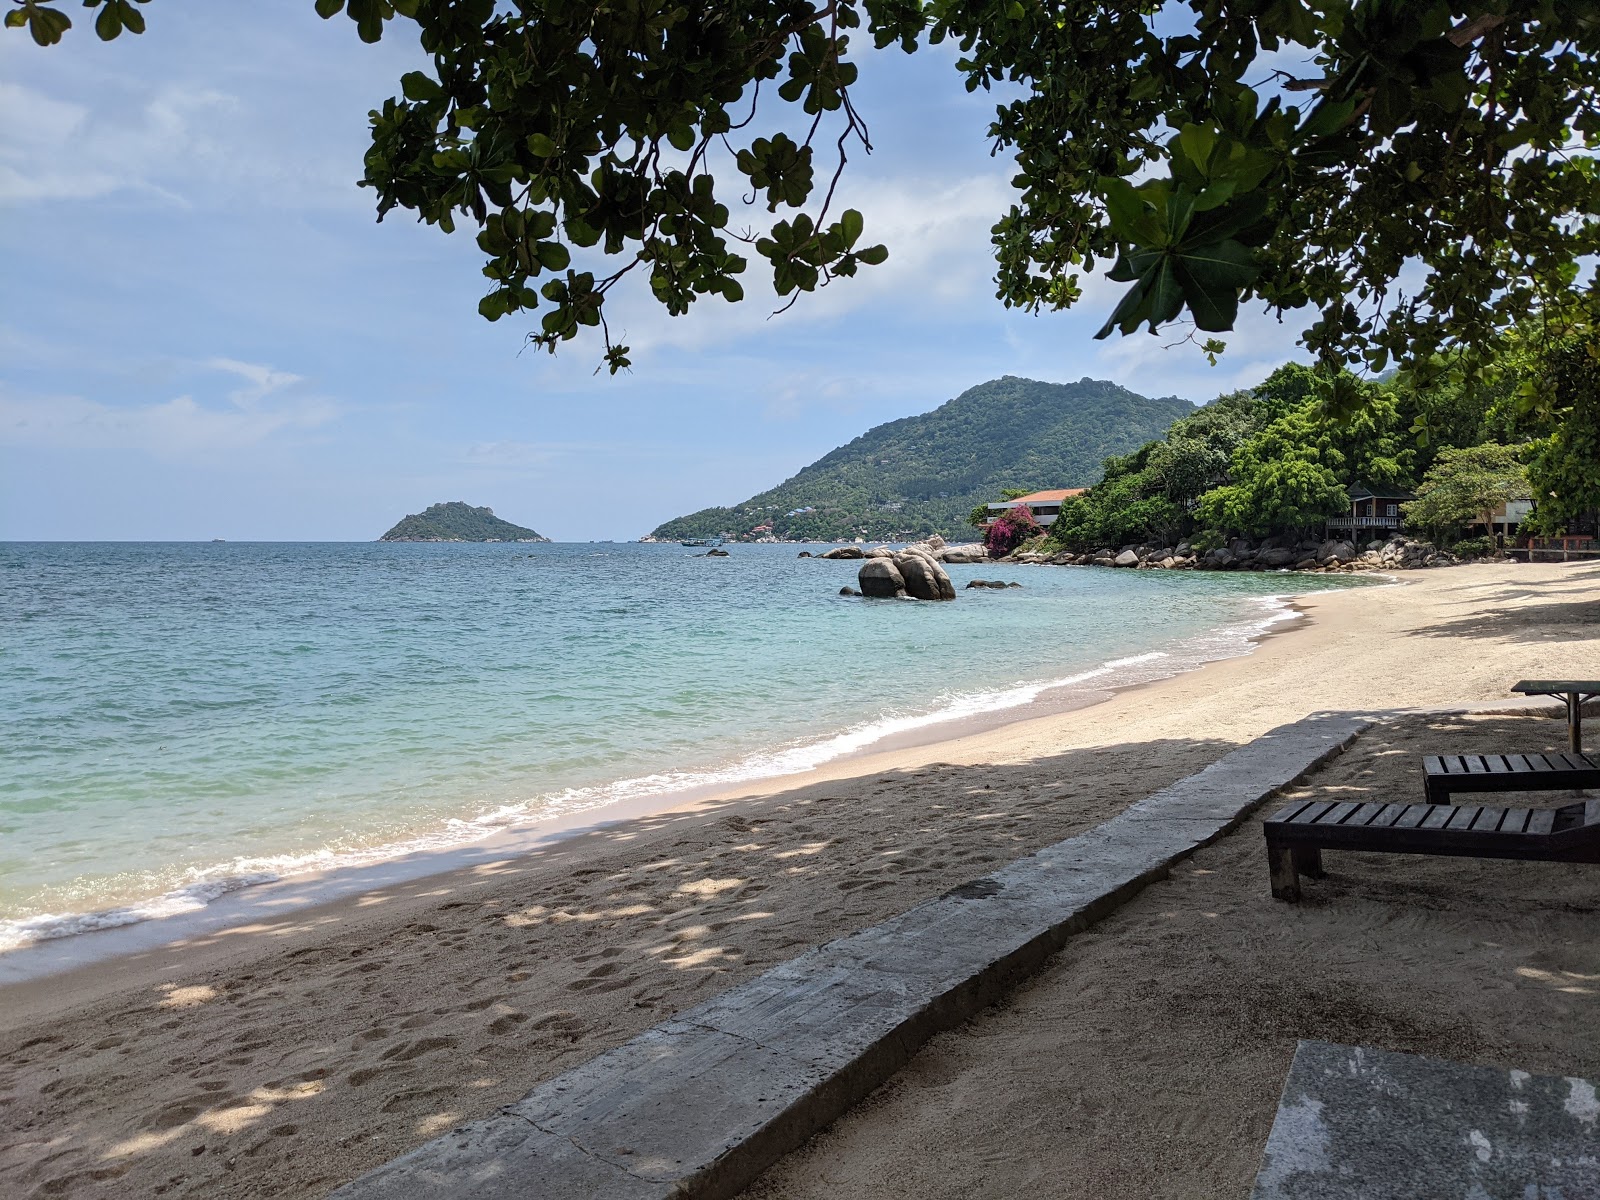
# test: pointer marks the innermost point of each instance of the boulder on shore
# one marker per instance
(963, 554)
(1128, 558)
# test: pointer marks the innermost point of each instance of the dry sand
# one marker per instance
(282, 1058)
(1147, 1059)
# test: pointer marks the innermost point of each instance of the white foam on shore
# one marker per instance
(189, 898)
(204, 886)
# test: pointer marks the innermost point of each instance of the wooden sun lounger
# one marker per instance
(1447, 774)
(1298, 834)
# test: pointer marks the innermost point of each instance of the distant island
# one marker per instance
(458, 521)
(923, 475)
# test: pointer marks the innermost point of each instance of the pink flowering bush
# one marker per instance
(1010, 530)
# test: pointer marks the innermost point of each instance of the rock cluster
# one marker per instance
(1396, 554)
(990, 583)
(912, 572)
(935, 547)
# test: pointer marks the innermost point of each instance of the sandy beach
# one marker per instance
(284, 1057)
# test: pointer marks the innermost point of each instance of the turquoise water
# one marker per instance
(177, 720)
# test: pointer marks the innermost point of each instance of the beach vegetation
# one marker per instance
(1301, 156)
(1012, 528)
(1466, 485)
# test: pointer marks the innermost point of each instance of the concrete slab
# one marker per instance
(1357, 1123)
(700, 1105)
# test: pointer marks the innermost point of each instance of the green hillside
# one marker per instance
(922, 475)
(457, 521)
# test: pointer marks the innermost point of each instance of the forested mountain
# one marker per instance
(922, 475)
(458, 521)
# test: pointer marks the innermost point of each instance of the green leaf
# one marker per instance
(851, 224)
(109, 23)
(329, 8)
(554, 256)
(541, 146)
(873, 255)
(417, 86)
(132, 18)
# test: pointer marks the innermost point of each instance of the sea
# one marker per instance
(179, 721)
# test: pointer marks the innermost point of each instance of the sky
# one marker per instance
(204, 332)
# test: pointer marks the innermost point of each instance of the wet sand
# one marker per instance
(287, 1055)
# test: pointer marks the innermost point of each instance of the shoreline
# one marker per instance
(287, 1055)
(211, 904)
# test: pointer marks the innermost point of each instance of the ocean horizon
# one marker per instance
(184, 720)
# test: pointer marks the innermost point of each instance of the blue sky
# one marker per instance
(206, 334)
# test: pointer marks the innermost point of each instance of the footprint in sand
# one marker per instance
(505, 1024)
(415, 1100)
(566, 1024)
(406, 1051)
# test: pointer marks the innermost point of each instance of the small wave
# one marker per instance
(192, 897)
(1226, 642)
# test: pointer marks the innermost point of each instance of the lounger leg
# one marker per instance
(1308, 861)
(1285, 879)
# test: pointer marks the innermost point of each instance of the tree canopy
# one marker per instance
(1415, 175)
(1466, 484)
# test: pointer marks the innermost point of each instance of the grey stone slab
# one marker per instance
(680, 1105)
(501, 1158)
(1357, 1123)
(700, 1105)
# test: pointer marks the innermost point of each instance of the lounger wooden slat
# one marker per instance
(1515, 820)
(1297, 836)
(1438, 816)
(1447, 774)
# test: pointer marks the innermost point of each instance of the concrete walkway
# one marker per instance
(700, 1105)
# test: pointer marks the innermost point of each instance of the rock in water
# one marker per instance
(880, 552)
(936, 542)
(848, 591)
(963, 554)
(881, 577)
(924, 577)
(842, 552)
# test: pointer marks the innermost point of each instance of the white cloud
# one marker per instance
(172, 142)
(1170, 361)
(263, 380)
(179, 427)
(940, 259)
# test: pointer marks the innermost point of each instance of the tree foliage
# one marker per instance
(1564, 466)
(1467, 484)
(1268, 462)
(1454, 135)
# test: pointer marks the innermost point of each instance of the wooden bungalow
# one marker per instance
(1374, 513)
